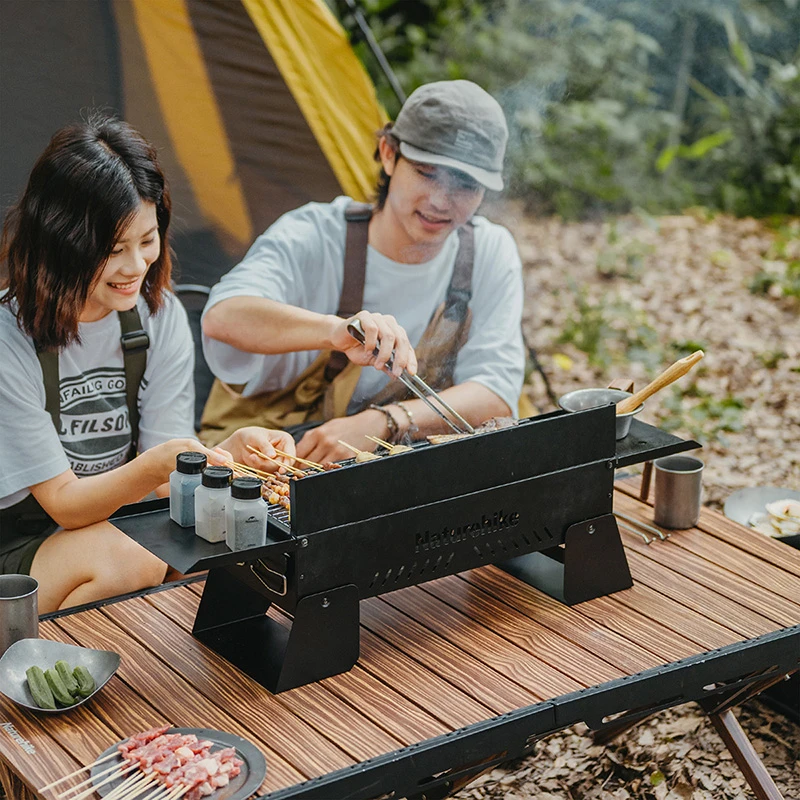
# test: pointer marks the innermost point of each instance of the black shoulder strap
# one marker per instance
(351, 300)
(134, 341)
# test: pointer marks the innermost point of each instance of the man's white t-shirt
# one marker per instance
(95, 433)
(300, 261)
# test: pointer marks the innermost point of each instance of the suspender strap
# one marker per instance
(351, 301)
(459, 292)
(134, 341)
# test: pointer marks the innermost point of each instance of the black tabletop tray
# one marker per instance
(150, 525)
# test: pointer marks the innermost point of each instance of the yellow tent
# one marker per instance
(256, 106)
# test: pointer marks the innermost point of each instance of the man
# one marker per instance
(418, 270)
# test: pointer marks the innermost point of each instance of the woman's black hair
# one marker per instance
(382, 186)
(82, 194)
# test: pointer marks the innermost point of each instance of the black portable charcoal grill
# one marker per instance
(535, 499)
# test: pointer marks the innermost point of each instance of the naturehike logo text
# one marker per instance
(448, 536)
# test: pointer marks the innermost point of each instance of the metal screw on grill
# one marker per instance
(304, 543)
(591, 529)
(325, 602)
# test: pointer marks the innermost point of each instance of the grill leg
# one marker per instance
(591, 564)
(322, 640)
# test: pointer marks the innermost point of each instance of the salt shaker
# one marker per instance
(211, 499)
(183, 481)
(247, 515)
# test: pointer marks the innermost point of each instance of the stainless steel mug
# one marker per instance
(679, 490)
(19, 609)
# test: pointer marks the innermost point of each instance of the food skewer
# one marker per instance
(114, 768)
(132, 786)
(78, 772)
(361, 455)
(91, 790)
(305, 461)
(293, 470)
(394, 449)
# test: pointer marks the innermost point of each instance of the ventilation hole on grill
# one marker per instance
(449, 559)
(502, 544)
(436, 564)
(547, 531)
(374, 578)
(399, 573)
(477, 550)
(424, 566)
(515, 543)
(538, 538)
(526, 540)
(387, 576)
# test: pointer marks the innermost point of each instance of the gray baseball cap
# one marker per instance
(455, 124)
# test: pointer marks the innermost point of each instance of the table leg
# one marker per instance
(740, 747)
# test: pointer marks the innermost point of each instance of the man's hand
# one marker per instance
(381, 331)
(264, 440)
(322, 443)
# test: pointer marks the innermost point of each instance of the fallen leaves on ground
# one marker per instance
(683, 282)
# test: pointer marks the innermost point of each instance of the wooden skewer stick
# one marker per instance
(159, 793)
(252, 471)
(136, 790)
(293, 470)
(670, 374)
(115, 768)
(130, 787)
(305, 461)
(78, 771)
(350, 447)
(109, 779)
(375, 439)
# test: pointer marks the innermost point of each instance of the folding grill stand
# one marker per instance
(535, 499)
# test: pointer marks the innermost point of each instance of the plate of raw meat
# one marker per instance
(190, 763)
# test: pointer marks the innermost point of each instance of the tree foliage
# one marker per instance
(616, 104)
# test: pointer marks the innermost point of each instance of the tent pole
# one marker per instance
(376, 50)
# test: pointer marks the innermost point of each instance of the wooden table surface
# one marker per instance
(435, 658)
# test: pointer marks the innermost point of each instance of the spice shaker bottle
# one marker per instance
(247, 515)
(211, 499)
(183, 481)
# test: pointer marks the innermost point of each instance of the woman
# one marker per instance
(85, 293)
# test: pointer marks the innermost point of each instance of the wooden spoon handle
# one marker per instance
(670, 374)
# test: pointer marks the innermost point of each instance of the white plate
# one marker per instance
(741, 505)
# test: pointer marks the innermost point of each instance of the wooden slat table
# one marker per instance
(454, 676)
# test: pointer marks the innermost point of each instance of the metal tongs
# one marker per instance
(416, 385)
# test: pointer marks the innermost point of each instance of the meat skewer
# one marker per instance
(293, 470)
(361, 455)
(394, 449)
(78, 771)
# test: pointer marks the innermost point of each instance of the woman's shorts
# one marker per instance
(20, 543)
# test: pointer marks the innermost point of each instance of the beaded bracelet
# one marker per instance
(412, 428)
(391, 422)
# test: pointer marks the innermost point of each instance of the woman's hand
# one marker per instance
(265, 441)
(381, 331)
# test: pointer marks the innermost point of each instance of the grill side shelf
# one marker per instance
(645, 443)
(149, 524)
